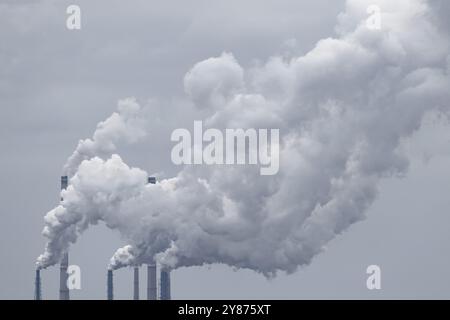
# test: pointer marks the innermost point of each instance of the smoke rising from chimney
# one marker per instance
(127, 124)
(342, 109)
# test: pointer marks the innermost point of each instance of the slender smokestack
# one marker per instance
(136, 284)
(63, 276)
(37, 285)
(109, 285)
(64, 183)
(165, 285)
(152, 287)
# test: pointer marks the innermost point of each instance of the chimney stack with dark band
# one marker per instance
(63, 276)
(109, 285)
(152, 287)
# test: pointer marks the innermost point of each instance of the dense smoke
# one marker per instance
(127, 124)
(343, 110)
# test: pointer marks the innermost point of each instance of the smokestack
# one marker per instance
(63, 276)
(109, 285)
(165, 285)
(136, 284)
(152, 287)
(37, 285)
(64, 183)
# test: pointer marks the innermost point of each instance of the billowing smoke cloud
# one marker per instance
(343, 110)
(213, 82)
(127, 124)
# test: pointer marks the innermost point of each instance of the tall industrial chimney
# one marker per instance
(109, 285)
(37, 285)
(63, 276)
(136, 284)
(152, 287)
(165, 285)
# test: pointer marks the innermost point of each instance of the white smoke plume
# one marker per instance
(127, 124)
(343, 110)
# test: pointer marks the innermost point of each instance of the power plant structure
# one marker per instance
(136, 284)
(152, 281)
(109, 285)
(165, 285)
(37, 285)
(152, 284)
(63, 276)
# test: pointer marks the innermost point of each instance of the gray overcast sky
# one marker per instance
(56, 85)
